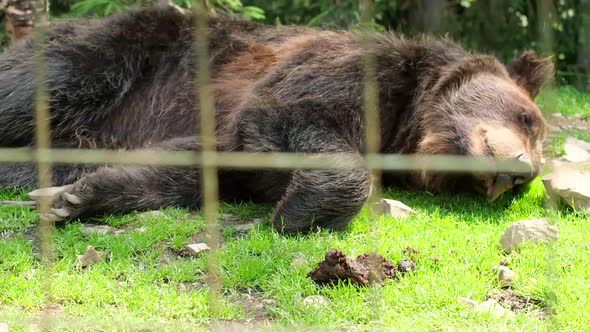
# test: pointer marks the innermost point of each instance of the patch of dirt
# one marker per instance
(337, 266)
(518, 303)
(191, 286)
(568, 123)
(255, 306)
(167, 256)
(557, 123)
(412, 253)
(239, 226)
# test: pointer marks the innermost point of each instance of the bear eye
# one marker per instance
(526, 120)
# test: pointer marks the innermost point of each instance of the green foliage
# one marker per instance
(98, 7)
(101, 8)
(501, 27)
(324, 13)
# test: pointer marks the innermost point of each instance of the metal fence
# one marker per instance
(209, 161)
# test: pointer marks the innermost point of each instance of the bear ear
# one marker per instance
(531, 71)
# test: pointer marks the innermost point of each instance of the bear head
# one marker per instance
(480, 107)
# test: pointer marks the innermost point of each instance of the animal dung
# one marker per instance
(364, 270)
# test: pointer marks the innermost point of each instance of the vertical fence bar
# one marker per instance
(42, 144)
(372, 136)
(546, 17)
(209, 181)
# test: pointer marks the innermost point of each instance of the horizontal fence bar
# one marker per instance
(281, 160)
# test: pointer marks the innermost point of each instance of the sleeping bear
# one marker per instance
(127, 82)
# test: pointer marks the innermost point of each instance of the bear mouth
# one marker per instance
(495, 185)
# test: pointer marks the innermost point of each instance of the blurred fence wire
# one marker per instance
(209, 160)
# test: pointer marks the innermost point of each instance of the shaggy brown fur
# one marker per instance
(128, 82)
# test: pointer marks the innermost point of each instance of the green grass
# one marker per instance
(146, 284)
(565, 100)
(571, 103)
(556, 146)
(457, 237)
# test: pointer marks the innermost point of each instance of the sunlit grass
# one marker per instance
(146, 284)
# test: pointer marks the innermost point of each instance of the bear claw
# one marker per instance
(63, 213)
(73, 199)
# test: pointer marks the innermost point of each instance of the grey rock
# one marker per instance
(505, 275)
(196, 248)
(392, 208)
(569, 186)
(493, 308)
(88, 229)
(535, 231)
(576, 151)
(406, 266)
(582, 144)
(91, 256)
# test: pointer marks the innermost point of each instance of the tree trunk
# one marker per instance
(427, 16)
(21, 16)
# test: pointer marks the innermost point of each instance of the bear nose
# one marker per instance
(528, 169)
(504, 181)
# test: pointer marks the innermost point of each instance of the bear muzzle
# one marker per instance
(501, 182)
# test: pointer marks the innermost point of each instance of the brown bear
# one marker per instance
(128, 82)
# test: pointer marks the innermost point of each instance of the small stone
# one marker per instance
(536, 230)
(91, 256)
(569, 186)
(392, 208)
(557, 115)
(467, 302)
(88, 229)
(406, 266)
(269, 302)
(316, 301)
(46, 193)
(505, 275)
(493, 308)
(196, 248)
(298, 261)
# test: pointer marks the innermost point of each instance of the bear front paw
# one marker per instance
(66, 203)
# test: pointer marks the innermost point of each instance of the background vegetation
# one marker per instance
(502, 27)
